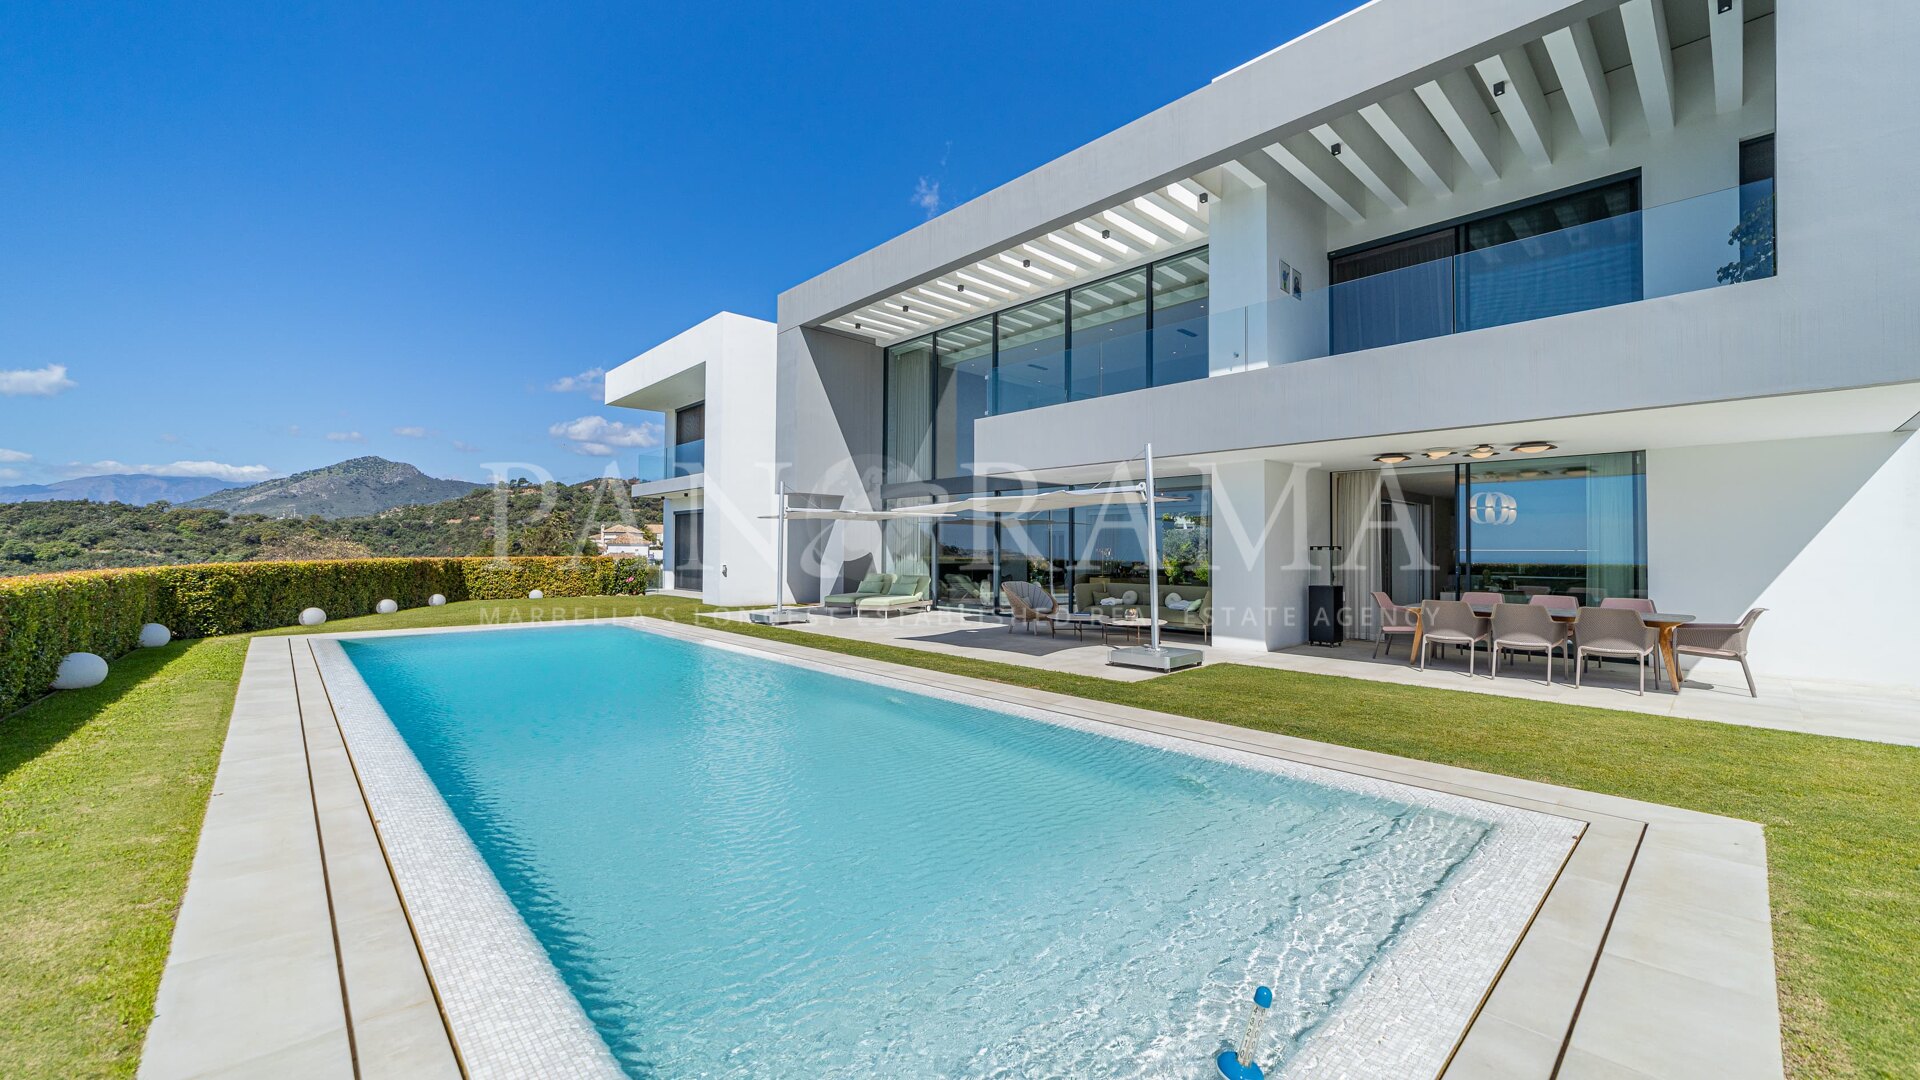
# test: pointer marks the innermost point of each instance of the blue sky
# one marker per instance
(262, 238)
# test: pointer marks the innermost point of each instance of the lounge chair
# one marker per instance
(1719, 641)
(1031, 604)
(870, 586)
(908, 592)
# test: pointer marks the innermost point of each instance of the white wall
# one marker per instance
(740, 465)
(1252, 322)
(1821, 532)
(1264, 516)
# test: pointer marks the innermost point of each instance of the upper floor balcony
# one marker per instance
(1593, 248)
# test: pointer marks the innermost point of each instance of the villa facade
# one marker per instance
(1524, 296)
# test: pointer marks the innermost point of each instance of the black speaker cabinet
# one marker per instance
(1323, 615)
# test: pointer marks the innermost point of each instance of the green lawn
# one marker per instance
(101, 793)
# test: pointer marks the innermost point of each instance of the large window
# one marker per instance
(1073, 554)
(1571, 251)
(909, 405)
(1110, 336)
(1032, 367)
(1570, 526)
(963, 388)
(1180, 319)
(1145, 327)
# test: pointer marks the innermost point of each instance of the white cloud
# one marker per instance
(345, 436)
(293, 430)
(218, 470)
(597, 436)
(169, 437)
(592, 381)
(9, 474)
(14, 455)
(926, 196)
(38, 382)
(412, 432)
(465, 447)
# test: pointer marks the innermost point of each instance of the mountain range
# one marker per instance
(130, 488)
(356, 488)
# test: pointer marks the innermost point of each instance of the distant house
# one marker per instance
(643, 541)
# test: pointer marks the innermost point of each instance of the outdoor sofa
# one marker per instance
(907, 592)
(1184, 607)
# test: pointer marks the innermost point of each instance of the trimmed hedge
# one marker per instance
(44, 617)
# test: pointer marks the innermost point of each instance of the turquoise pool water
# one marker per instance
(748, 868)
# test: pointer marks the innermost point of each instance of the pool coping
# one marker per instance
(1649, 956)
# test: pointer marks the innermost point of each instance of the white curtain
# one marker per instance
(1356, 520)
(1614, 557)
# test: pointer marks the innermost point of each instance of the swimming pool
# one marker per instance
(745, 866)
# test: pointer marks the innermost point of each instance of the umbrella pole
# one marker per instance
(1153, 561)
(780, 555)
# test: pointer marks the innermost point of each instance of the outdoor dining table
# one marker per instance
(1662, 621)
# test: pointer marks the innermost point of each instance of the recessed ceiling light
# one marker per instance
(1535, 447)
(1482, 452)
(1436, 453)
(1392, 459)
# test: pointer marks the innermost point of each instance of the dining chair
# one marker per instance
(1395, 620)
(1483, 598)
(1629, 603)
(1616, 632)
(1720, 641)
(1450, 622)
(1555, 603)
(1529, 628)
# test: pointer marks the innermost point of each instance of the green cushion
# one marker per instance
(908, 585)
(873, 583)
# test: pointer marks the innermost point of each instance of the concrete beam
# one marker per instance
(1456, 107)
(1516, 93)
(1308, 162)
(1728, 30)
(1367, 157)
(1410, 131)
(1583, 82)
(1652, 54)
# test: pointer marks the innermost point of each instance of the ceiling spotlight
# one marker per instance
(1482, 452)
(1392, 459)
(960, 288)
(856, 326)
(905, 309)
(1025, 263)
(1106, 234)
(1535, 447)
(1335, 148)
(1500, 88)
(1436, 453)
(1726, 6)
(1203, 198)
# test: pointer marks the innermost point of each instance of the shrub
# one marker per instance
(44, 617)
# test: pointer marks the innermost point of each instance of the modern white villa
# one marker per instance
(1525, 297)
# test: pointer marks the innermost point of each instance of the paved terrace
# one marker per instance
(1712, 691)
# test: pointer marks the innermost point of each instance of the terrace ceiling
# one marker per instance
(1366, 164)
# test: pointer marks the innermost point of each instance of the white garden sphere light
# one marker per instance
(79, 671)
(436, 600)
(536, 595)
(313, 616)
(386, 607)
(153, 635)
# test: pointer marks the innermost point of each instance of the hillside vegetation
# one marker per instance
(354, 488)
(41, 537)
